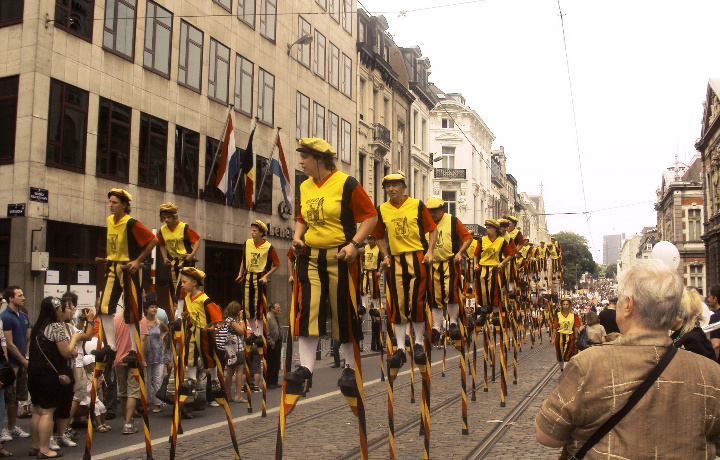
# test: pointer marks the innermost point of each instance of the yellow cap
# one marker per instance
(394, 177)
(542, 242)
(261, 225)
(530, 243)
(503, 222)
(492, 223)
(315, 145)
(512, 218)
(434, 202)
(195, 273)
(168, 207)
(120, 193)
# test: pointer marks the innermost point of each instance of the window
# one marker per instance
(320, 56)
(75, 17)
(335, 10)
(113, 140)
(266, 96)
(263, 185)
(449, 199)
(67, 126)
(153, 152)
(448, 123)
(694, 227)
(448, 157)
(246, 12)
(322, 3)
(11, 12)
(212, 164)
(303, 51)
(244, 72)
(226, 4)
(346, 142)
(319, 121)
(190, 59)
(347, 15)
(333, 135)
(361, 170)
(219, 75)
(268, 18)
(187, 145)
(8, 117)
(158, 37)
(361, 32)
(119, 30)
(334, 71)
(347, 76)
(361, 99)
(696, 277)
(302, 116)
(422, 134)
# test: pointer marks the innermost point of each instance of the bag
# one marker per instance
(64, 379)
(231, 349)
(582, 341)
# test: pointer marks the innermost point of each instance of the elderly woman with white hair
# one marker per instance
(678, 416)
(687, 331)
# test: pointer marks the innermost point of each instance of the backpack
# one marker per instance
(582, 340)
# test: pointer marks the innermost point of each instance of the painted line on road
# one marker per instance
(165, 439)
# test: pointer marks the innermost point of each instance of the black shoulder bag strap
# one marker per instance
(634, 399)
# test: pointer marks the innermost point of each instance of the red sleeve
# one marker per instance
(142, 235)
(428, 224)
(214, 311)
(462, 232)
(379, 231)
(519, 239)
(299, 213)
(192, 235)
(505, 250)
(511, 247)
(361, 205)
(577, 321)
(555, 322)
(274, 257)
(161, 240)
(478, 248)
(290, 255)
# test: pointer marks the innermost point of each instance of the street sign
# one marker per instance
(39, 194)
(16, 210)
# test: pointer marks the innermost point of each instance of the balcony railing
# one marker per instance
(446, 173)
(381, 134)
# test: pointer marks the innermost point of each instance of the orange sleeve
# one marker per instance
(192, 235)
(555, 322)
(274, 257)
(299, 215)
(379, 231)
(428, 223)
(161, 240)
(506, 250)
(361, 205)
(290, 255)
(478, 248)
(214, 311)
(577, 321)
(142, 235)
(462, 232)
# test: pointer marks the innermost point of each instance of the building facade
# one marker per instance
(680, 218)
(531, 218)
(628, 253)
(136, 95)
(612, 244)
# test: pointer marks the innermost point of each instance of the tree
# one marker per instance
(577, 258)
(611, 270)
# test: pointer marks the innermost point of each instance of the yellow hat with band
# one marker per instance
(393, 178)
(168, 207)
(492, 223)
(503, 222)
(434, 202)
(120, 193)
(261, 225)
(512, 219)
(194, 273)
(316, 146)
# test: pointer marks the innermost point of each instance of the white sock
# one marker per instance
(213, 373)
(364, 300)
(418, 329)
(180, 308)
(437, 318)
(453, 309)
(349, 351)
(401, 331)
(133, 343)
(108, 325)
(191, 372)
(562, 364)
(307, 347)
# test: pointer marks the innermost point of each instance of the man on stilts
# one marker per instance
(370, 260)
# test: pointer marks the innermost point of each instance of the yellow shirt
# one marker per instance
(117, 239)
(565, 324)
(491, 250)
(202, 310)
(471, 249)
(404, 226)
(553, 252)
(542, 252)
(174, 240)
(444, 245)
(256, 258)
(372, 256)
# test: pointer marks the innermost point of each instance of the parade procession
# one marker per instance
(359, 229)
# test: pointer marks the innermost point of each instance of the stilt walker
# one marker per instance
(460, 346)
(326, 243)
(392, 375)
(177, 329)
(98, 370)
(406, 221)
(129, 243)
(259, 262)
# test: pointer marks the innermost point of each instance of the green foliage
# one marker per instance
(577, 258)
(611, 270)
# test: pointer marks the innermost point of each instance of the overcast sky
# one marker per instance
(639, 72)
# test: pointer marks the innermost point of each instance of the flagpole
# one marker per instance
(220, 144)
(239, 176)
(267, 168)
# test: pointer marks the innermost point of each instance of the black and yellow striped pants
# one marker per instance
(199, 342)
(176, 266)
(254, 295)
(407, 286)
(370, 284)
(487, 289)
(120, 282)
(445, 286)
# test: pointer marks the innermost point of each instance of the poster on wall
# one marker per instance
(52, 277)
(86, 295)
(54, 290)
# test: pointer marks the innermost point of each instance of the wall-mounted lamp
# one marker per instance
(304, 40)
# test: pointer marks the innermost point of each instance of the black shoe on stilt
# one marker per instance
(347, 379)
(131, 359)
(454, 332)
(105, 354)
(175, 325)
(398, 359)
(419, 355)
(299, 375)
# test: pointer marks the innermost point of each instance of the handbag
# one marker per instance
(619, 415)
(62, 378)
(582, 340)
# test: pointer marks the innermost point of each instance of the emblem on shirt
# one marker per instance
(439, 242)
(401, 227)
(171, 245)
(369, 258)
(112, 242)
(254, 258)
(315, 213)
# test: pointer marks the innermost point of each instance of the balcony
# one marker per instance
(446, 173)
(381, 135)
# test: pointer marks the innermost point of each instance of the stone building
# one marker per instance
(680, 218)
(628, 253)
(120, 93)
(531, 218)
(708, 145)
